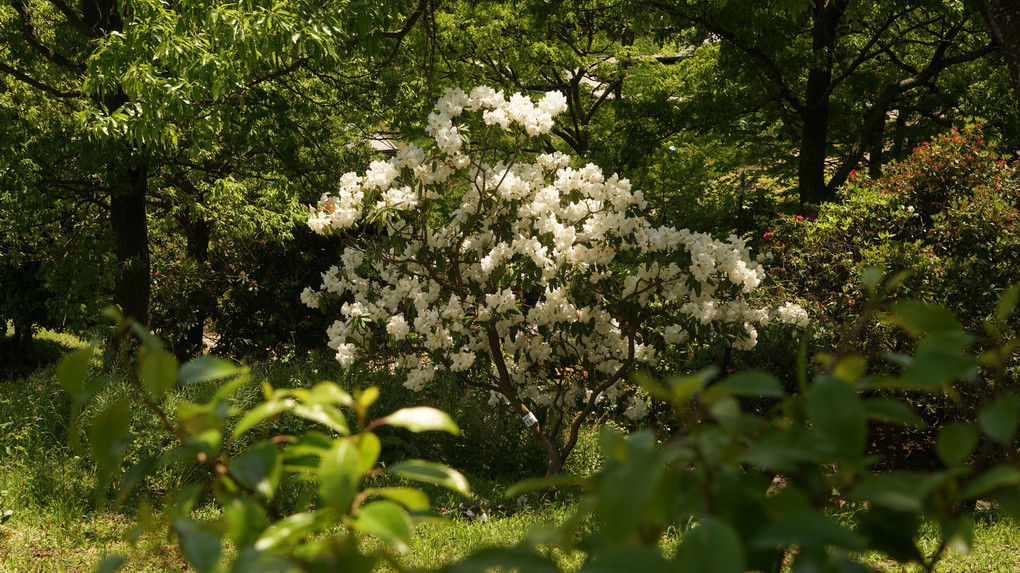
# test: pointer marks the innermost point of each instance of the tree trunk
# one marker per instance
(1003, 19)
(815, 113)
(130, 228)
(129, 179)
(199, 232)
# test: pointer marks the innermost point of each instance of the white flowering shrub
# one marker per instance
(519, 272)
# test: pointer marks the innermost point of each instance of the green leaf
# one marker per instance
(629, 490)
(200, 546)
(204, 369)
(955, 443)
(245, 520)
(422, 419)
(991, 480)
(110, 564)
(72, 369)
(751, 383)
(158, 372)
(370, 447)
(838, 414)
(937, 369)
(919, 318)
(999, 419)
(365, 399)
(431, 472)
(545, 482)
(340, 474)
(897, 491)
(807, 530)
(713, 546)
(627, 560)
(894, 411)
(1007, 303)
(411, 498)
(850, 368)
(109, 427)
(261, 412)
(259, 469)
(289, 530)
(328, 416)
(325, 393)
(387, 521)
(507, 559)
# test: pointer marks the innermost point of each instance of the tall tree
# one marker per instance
(840, 65)
(147, 78)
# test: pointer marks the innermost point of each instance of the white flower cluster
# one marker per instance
(524, 274)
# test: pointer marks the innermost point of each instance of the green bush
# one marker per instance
(949, 214)
(771, 491)
(285, 502)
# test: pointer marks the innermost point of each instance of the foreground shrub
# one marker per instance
(761, 492)
(281, 498)
(542, 284)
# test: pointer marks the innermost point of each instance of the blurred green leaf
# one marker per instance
(72, 368)
(422, 419)
(544, 482)
(387, 521)
(991, 480)
(920, 318)
(109, 427)
(259, 469)
(837, 412)
(260, 413)
(431, 472)
(244, 519)
(370, 448)
(110, 564)
(752, 384)
(340, 474)
(894, 411)
(627, 560)
(520, 559)
(411, 498)
(204, 369)
(999, 419)
(329, 416)
(158, 372)
(807, 530)
(200, 546)
(290, 529)
(713, 546)
(955, 443)
(1007, 303)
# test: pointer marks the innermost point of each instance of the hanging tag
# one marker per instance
(529, 419)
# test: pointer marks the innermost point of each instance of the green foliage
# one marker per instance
(944, 222)
(282, 498)
(759, 492)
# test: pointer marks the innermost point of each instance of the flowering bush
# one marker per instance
(519, 273)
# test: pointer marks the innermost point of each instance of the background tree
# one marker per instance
(836, 75)
(153, 97)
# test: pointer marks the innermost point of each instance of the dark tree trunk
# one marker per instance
(815, 113)
(199, 233)
(1003, 19)
(129, 179)
(130, 228)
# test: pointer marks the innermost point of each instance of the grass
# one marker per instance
(58, 525)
